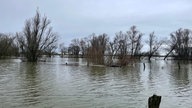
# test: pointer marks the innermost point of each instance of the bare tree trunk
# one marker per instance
(169, 52)
(149, 57)
(154, 101)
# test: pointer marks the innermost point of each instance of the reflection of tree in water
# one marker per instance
(97, 73)
(180, 80)
(128, 80)
(132, 72)
(150, 71)
(154, 71)
(180, 76)
(30, 84)
(74, 59)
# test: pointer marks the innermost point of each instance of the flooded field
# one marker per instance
(53, 84)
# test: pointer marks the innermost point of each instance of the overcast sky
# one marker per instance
(80, 18)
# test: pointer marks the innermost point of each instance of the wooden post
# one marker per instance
(178, 65)
(154, 101)
(88, 62)
(143, 66)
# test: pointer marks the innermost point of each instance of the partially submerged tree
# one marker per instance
(50, 50)
(135, 40)
(74, 47)
(114, 47)
(63, 49)
(154, 45)
(8, 46)
(180, 44)
(83, 46)
(125, 46)
(97, 48)
(121, 48)
(36, 37)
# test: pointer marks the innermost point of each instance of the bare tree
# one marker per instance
(119, 49)
(36, 37)
(50, 50)
(8, 46)
(97, 48)
(135, 38)
(83, 46)
(180, 44)
(63, 49)
(122, 48)
(154, 45)
(74, 47)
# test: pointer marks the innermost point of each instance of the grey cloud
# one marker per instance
(80, 18)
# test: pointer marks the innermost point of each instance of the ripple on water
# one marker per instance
(54, 85)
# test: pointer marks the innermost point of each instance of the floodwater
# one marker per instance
(52, 84)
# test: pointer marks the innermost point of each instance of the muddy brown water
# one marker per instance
(52, 84)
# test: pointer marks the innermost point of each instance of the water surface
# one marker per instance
(52, 84)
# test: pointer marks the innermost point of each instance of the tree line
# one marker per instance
(128, 45)
(38, 38)
(124, 46)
